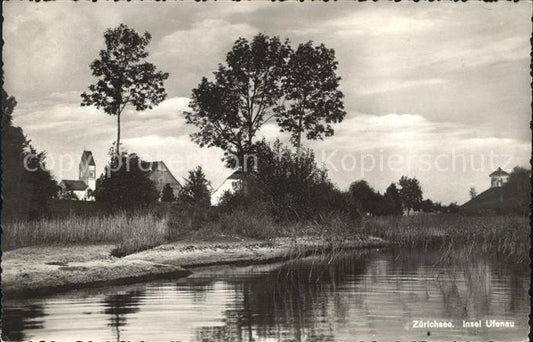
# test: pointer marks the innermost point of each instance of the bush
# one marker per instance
(185, 219)
(286, 195)
(195, 191)
(293, 186)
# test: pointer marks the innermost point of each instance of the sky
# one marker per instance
(436, 91)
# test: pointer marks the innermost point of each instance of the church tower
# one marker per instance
(88, 170)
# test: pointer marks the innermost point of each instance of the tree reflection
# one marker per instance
(291, 304)
(15, 321)
(368, 293)
(118, 306)
(469, 284)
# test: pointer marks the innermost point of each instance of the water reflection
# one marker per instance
(19, 319)
(119, 306)
(291, 302)
(367, 295)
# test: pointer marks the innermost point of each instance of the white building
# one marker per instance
(82, 187)
(231, 184)
(498, 178)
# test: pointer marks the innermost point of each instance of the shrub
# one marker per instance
(167, 195)
(195, 191)
(292, 185)
(185, 219)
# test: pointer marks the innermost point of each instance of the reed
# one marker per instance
(506, 236)
(128, 231)
(144, 232)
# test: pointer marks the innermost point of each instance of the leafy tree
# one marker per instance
(518, 189)
(371, 202)
(124, 77)
(242, 97)
(365, 196)
(427, 206)
(167, 194)
(125, 184)
(410, 193)
(452, 208)
(195, 190)
(26, 183)
(311, 89)
(392, 196)
(294, 186)
(261, 80)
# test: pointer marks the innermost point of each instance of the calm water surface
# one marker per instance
(359, 296)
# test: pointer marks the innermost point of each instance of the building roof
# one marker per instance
(73, 185)
(498, 172)
(159, 165)
(239, 174)
(87, 158)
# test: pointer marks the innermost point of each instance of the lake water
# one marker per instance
(358, 296)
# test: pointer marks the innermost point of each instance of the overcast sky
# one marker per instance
(428, 87)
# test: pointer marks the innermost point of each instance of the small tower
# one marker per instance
(88, 170)
(498, 178)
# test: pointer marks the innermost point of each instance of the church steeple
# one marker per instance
(88, 169)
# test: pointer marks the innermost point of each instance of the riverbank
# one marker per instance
(39, 270)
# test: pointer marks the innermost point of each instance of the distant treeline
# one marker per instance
(398, 198)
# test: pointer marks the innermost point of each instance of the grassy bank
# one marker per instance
(505, 236)
(130, 233)
(501, 235)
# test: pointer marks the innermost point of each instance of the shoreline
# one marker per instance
(45, 270)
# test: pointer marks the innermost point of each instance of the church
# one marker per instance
(83, 187)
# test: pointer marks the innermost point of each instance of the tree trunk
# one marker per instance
(299, 141)
(117, 150)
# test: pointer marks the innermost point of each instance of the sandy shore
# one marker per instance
(40, 270)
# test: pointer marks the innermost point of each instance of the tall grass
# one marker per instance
(128, 231)
(506, 236)
(502, 236)
(257, 222)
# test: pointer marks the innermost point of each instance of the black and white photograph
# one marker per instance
(263, 171)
